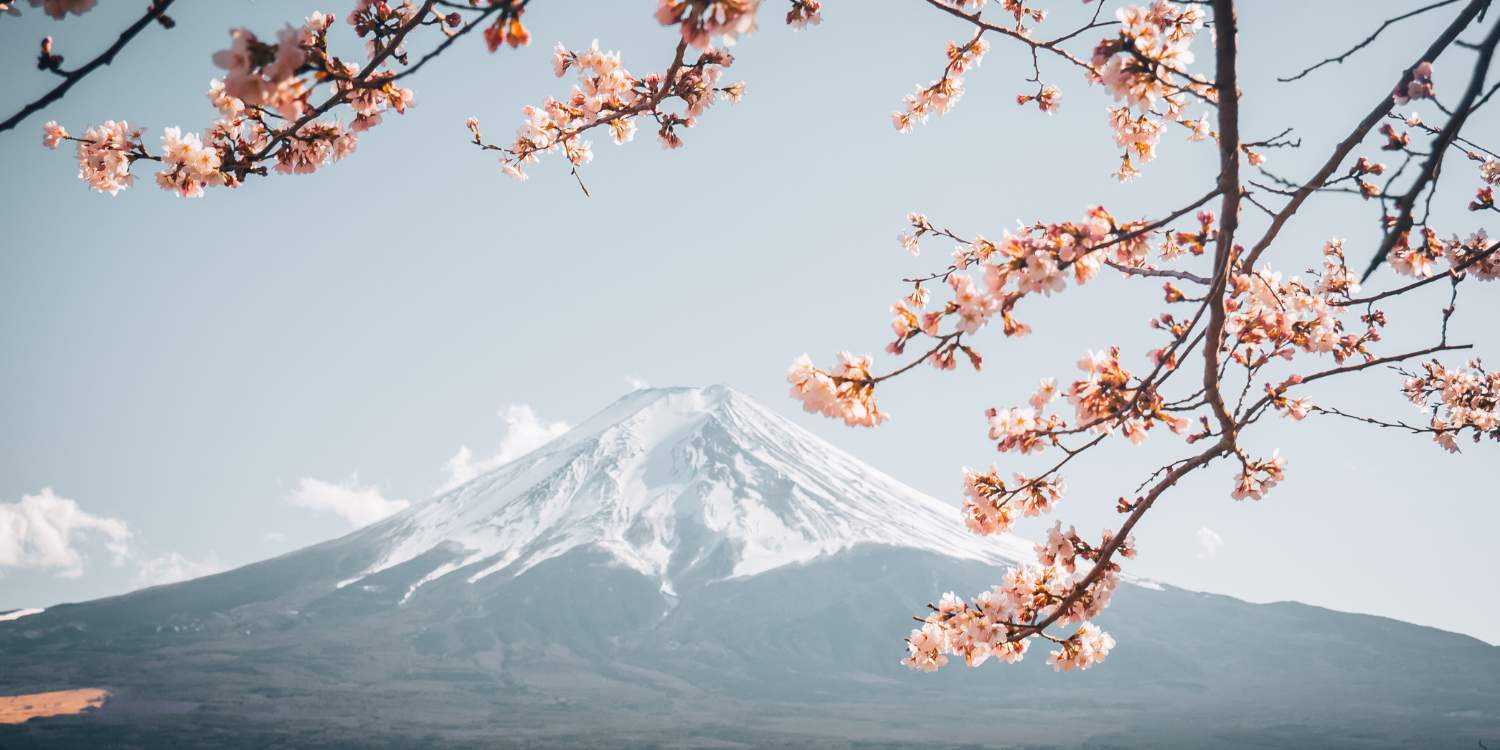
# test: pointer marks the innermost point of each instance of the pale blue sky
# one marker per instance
(181, 365)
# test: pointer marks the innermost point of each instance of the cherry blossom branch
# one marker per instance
(1249, 318)
(155, 12)
(1139, 509)
(342, 95)
(1381, 109)
(615, 99)
(1454, 273)
(1050, 46)
(1383, 361)
(1115, 240)
(944, 341)
(1260, 405)
(1429, 173)
(1229, 188)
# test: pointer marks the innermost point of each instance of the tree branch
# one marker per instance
(1440, 145)
(157, 10)
(1341, 152)
(1229, 186)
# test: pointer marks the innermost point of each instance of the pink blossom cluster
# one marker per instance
(1086, 648)
(1020, 429)
(1002, 622)
(189, 165)
(1145, 65)
(940, 95)
(607, 95)
(1419, 87)
(264, 109)
(701, 20)
(1019, 11)
(1272, 316)
(1475, 254)
(1417, 260)
(992, 507)
(846, 392)
(105, 153)
(57, 9)
(1489, 169)
(1461, 398)
(804, 13)
(1478, 255)
(1035, 261)
(262, 74)
(1295, 409)
(1107, 396)
(1257, 476)
(1047, 98)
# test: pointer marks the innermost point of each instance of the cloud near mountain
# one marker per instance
(50, 532)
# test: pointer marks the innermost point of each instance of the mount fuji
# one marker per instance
(687, 568)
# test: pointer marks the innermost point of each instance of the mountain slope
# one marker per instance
(689, 568)
(674, 483)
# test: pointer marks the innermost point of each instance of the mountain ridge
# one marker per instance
(666, 467)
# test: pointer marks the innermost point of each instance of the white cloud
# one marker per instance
(636, 383)
(524, 432)
(351, 502)
(274, 537)
(172, 567)
(1209, 543)
(43, 531)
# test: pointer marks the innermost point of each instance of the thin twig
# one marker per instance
(1368, 40)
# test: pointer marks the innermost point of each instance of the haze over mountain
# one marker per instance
(687, 567)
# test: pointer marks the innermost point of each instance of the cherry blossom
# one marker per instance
(265, 107)
(1082, 650)
(845, 392)
(105, 153)
(608, 96)
(1461, 399)
(53, 134)
(189, 165)
(61, 8)
(701, 20)
(1419, 87)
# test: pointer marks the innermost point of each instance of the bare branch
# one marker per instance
(1229, 213)
(1368, 40)
(156, 11)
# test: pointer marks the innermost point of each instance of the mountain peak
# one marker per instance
(682, 484)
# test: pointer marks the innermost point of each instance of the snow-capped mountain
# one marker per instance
(688, 568)
(678, 483)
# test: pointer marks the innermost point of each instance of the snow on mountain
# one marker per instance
(677, 483)
(19, 613)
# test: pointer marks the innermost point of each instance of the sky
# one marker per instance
(192, 385)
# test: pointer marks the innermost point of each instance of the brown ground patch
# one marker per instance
(15, 709)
